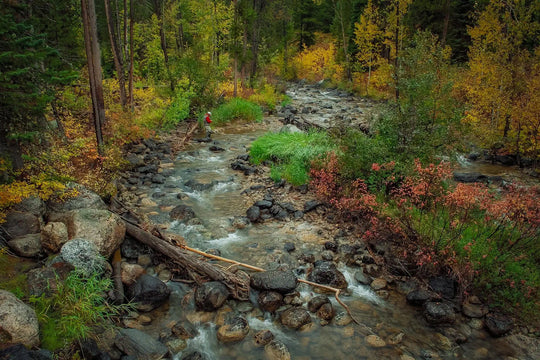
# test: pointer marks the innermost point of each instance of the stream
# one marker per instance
(203, 180)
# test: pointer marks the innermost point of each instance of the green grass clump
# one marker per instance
(235, 109)
(291, 154)
(74, 310)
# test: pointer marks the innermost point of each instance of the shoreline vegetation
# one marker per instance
(469, 79)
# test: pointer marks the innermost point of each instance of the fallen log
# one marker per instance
(237, 284)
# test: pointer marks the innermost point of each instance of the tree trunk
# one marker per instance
(131, 24)
(446, 21)
(163, 41)
(239, 286)
(88, 12)
(396, 44)
(118, 64)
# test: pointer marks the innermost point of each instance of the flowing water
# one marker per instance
(401, 326)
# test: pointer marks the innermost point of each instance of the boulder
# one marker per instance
(45, 280)
(148, 292)
(469, 177)
(274, 280)
(444, 286)
(53, 236)
(18, 321)
(326, 273)
(375, 341)
(439, 313)
(184, 330)
(253, 213)
(26, 245)
(33, 205)
(362, 278)
(263, 337)
(140, 345)
(472, 310)
(498, 324)
(211, 296)
(20, 223)
(130, 272)
(311, 205)
(315, 303)
(234, 331)
(419, 297)
(270, 300)
(182, 213)
(295, 317)
(84, 256)
(195, 355)
(378, 284)
(276, 350)
(83, 199)
(326, 312)
(104, 228)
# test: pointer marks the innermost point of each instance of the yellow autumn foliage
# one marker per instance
(318, 62)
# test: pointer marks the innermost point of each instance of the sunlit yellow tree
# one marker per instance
(501, 86)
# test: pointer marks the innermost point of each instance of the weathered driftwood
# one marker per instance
(117, 277)
(237, 284)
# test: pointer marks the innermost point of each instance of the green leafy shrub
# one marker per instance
(74, 310)
(267, 96)
(235, 109)
(179, 109)
(291, 154)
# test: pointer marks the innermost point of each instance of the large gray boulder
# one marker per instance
(104, 228)
(18, 321)
(82, 199)
(84, 256)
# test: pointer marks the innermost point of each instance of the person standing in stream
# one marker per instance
(207, 122)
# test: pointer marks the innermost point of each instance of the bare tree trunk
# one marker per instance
(163, 41)
(446, 21)
(118, 64)
(396, 44)
(88, 12)
(131, 24)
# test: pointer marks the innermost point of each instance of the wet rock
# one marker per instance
(331, 245)
(289, 247)
(84, 256)
(263, 204)
(438, 313)
(419, 297)
(469, 177)
(327, 255)
(274, 280)
(270, 300)
(215, 148)
(176, 345)
(362, 278)
(378, 284)
(148, 292)
(326, 312)
(140, 345)
(182, 213)
(158, 179)
(498, 324)
(276, 350)
(472, 310)
(19, 322)
(131, 248)
(198, 186)
(21, 352)
(236, 330)
(375, 341)
(19, 223)
(295, 317)
(53, 236)
(326, 273)
(26, 245)
(211, 296)
(184, 330)
(444, 286)
(253, 213)
(243, 166)
(195, 355)
(263, 337)
(134, 160)
(315, 303)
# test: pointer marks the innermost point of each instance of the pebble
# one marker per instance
(375, 341)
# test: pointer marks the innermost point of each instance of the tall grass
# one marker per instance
(235, 109)
(74, 310)
(290, 154)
